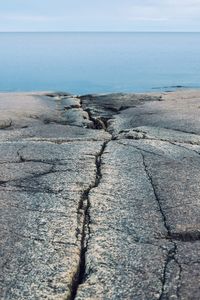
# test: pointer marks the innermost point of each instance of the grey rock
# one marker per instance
(99, 196)
(69, 103)
(178, 111)
(41, 222)
(127, 245)
(105, 106)
(159, 133)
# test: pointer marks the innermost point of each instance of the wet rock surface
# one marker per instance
(100, 196)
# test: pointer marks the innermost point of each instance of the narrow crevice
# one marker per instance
(84, 207)
(32, 176)
(177, 144)
(69, 141)
(31, 190)
(171, 255)
(98, 123)
(156, 195)
(39, 161)
(139, 149)
(59, 162)
(189, 236)
(180, 130)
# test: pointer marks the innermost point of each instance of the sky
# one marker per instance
(101, 15)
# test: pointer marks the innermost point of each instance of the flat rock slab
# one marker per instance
(99, 196)
(177, 111)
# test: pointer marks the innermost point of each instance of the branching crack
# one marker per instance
(171, 255)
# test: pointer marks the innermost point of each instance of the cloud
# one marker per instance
(26, 18)
(153, 10)
(127, 15)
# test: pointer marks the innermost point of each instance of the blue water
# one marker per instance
(99, 62)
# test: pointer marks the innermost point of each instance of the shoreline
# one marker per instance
(165, 89)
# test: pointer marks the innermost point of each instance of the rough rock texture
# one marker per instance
(99, 196)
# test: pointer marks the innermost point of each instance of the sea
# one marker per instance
(91, 62)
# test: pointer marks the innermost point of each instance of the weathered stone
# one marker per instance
(41, 223)
(106, 212)
(178, 111)
(127, 246)
(158, 133)
(70, 103)
(109, 104)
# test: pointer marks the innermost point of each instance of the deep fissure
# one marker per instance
(84, 205)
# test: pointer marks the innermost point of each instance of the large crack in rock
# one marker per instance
(84, 206)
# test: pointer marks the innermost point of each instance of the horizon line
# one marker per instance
(100, 31)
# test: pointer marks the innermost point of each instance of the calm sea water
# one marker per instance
(99, 62)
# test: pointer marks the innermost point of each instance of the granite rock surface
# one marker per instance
(99, 196)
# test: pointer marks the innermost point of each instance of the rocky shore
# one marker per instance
(100, 196)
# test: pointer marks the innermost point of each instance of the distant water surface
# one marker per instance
(99, 62)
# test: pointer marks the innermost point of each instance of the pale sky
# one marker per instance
(101, 15)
